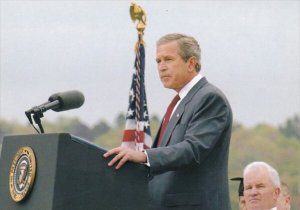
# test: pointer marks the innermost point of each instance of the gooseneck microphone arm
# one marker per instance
(57, 102)
(37, 113)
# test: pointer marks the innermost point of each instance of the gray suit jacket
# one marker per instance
(189, 170)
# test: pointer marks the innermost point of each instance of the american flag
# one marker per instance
(137, 133)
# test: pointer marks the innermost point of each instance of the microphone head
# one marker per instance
(67, 100)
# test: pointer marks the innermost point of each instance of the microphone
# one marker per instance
(66, 100)
(61, 101)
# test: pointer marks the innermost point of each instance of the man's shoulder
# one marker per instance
(209, 93)
(205, 87)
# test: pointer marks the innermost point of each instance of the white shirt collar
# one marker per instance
(184, 91)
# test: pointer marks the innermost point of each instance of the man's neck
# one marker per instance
(183, 92)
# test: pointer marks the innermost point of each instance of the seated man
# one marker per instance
(261, 186)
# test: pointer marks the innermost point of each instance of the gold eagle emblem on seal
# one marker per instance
(22, 174)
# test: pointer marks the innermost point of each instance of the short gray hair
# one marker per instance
(188, 46)
(273, 174)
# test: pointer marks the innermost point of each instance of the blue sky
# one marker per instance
(250, 50)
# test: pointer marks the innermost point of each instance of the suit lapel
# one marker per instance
(180, 110)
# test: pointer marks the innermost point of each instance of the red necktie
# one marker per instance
(167, 118)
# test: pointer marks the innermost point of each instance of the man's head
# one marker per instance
(178, 60)
(187, 46)
(284, 200)
(261, 186)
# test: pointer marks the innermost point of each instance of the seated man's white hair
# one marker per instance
(271, 171)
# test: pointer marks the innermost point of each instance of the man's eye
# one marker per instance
(248, 188)
(260, 186)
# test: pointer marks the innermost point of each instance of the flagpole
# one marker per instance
(137, 133)
(138, 16)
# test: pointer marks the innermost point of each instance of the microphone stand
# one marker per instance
(37, 115)
(37, 119)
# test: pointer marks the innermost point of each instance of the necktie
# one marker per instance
(167, 118)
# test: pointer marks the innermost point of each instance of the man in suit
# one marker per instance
(261, 186)
(188, 161)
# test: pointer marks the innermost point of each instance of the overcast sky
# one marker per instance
(250, 50)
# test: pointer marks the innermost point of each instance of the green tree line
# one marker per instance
(278, 146)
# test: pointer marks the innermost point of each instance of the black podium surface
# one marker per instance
(72, 174)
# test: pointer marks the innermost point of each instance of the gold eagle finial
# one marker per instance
(137, 13)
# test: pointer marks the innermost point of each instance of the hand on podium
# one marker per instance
(124, 154)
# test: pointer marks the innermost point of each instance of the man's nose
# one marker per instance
(162, 66)
(254, 191)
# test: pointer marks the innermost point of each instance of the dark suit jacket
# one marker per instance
(189, 170)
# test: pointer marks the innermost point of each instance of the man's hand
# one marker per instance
(123, 155)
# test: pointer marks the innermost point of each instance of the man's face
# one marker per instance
(174, 72)
(260, 193)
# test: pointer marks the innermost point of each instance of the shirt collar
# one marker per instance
(184, 91)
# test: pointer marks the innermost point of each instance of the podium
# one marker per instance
(69, 174)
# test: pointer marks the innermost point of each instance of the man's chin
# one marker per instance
(168, 86)
(255, 205)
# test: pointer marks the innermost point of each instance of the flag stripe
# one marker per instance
(131, 134)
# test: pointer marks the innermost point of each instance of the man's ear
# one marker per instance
(192, 62)
(287, 199)
(276, 193)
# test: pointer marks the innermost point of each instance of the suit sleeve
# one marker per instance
(192, 140)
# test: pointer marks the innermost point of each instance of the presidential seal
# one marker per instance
(22, 174)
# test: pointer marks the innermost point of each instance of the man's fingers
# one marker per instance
(122, 156)
(122, 162)
(116, 158)
(111, 152)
